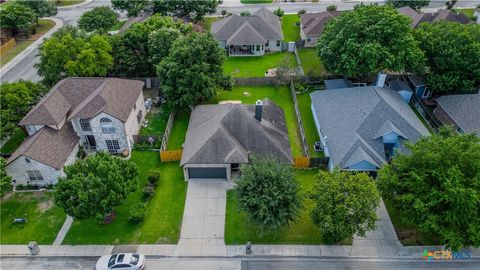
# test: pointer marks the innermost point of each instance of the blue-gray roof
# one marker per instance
(338, 83)
(464, 110)
(354, 119)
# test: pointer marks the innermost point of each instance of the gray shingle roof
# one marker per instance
(227, 133)
(314, 23)
(443, 15)
(464, 110)
(264, 22)
(353, 118)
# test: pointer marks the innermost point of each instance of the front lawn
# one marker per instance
(239, 228)
(291, 32)
(14, 142)
(311, 133)
(44, 219)
(281, 96)
(310, 62)
(255, 66)
(164, 211)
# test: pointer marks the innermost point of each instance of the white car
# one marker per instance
(121, 261)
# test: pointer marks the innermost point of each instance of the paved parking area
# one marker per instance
(203, 223)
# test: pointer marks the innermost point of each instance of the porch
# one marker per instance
(243, 50)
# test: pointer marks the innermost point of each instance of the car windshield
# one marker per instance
(111, 261)
(134, 259)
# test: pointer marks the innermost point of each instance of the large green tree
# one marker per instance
(345, 204)
(192, 71)
(143, 45)
(99, 18)
(16, 99)
(453, 55)
(5, 180)
(17, 17)
(269, 192)
(43, 8)
(93, 186)
(369, 39)
(70, 52)
(132, 7)
(436, 186)
(415, 4)
(194, 10)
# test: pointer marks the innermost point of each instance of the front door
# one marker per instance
(91, 142)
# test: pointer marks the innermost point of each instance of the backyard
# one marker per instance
(164, 211)
(255, 66)
(310, 62)
(281, 96)
(157, 119)
(44, 219)
(311, 133)
(291, 32)
(207, 22)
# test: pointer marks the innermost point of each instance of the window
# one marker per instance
(34, 175)
(139, 117)
(309, 39)
(31, 129)
(27, 160)
(267, 43)
(107, 126)
(112, 145)
(258, 48)
(85, 124)
(278, 43)
(134, 107)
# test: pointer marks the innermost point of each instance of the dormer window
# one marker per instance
(85, 124)
(31, 129)
(107, 126)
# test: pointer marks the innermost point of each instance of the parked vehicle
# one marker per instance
(127, 261)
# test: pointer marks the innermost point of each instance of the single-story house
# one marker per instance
(360, 128)
(460, 111)
(313, 24)
(252, 35)
(221, 137)
(442, 15)
(96, 113)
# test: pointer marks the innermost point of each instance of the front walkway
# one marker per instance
(63, 231)
(203, 223)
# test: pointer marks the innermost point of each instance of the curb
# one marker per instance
(77, 5)
(33, 46)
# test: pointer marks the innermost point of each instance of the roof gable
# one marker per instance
(246, 34)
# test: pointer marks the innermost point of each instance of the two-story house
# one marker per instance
(101, 114)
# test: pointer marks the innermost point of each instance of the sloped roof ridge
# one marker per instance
(239, 30)
(89, 98)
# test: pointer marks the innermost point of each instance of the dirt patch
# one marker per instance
(7, 196)
(45, 206)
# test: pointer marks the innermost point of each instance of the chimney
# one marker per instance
(381, 77)
(258, 110)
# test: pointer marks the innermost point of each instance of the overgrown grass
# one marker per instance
(311, 133)
(407, 234)
(44, 219)
(207, 22)
(239, 228)
(467, 11)
(14, 142)
(310, 62)
(291, 32)
(255, 66)
(164, 211)
(179, 130)
(157, 121)
(281, 96)
(22, 44)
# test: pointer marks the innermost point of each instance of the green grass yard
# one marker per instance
(291, 32)
(207, 22)
(44, 219)
(255, 66)
(14, 142)
(239, 228)
(164, 211)
(118, 25)
(157, 121)
(310, 62)
(467, 11)
(179, 130)
(311, 133)
(281, 96)
(64, 3)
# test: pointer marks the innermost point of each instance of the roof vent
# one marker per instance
(258, 110)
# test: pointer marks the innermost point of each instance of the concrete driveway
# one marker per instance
(203, 223)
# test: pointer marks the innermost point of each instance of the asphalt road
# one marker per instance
(45, 263)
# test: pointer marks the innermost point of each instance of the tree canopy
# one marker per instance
(194, 10)
(17, 98)
(43, 8)
(453, 55)
(345, 204)
(415, 4)
(369, 39)
(99, 18)
(192, 71)
(70, 52)
(5, 180)
(17, 17)
(132, 7)
(269, 192)
(437, 186)
(93, 186)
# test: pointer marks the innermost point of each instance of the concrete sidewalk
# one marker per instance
(63, 231)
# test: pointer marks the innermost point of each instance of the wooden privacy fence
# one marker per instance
(301, 162)
(168, 129)
(299, 120)
(173, 155)
(309, 162)
(7, 46)
(253, 81)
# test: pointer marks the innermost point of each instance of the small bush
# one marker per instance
(227, 83)
(81, 154)
(279, 12)
(314, 1)
(19, 187)
(137, 212)
(332, 8)
(245, 13)
(153, 176)
(301, 11)
(148, 191)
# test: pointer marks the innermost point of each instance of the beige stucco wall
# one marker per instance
(312, 42)
(132, 126)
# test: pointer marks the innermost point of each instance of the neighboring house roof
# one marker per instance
(227, 133)
(443, 15)
(313, 24)
(49, 146)
(85, 98)
(243, 30)
(399, 85)
(464, 110)
(354, 121)
(338, 83)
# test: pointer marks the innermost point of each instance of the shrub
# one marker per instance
(301, 11)
(81, 154)
(245, 13)
(19, 187)
(137, 212)
(227, 82)
(148, 191)
(153, 176)
(279, 12)
(314, 1)
(332, 8)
